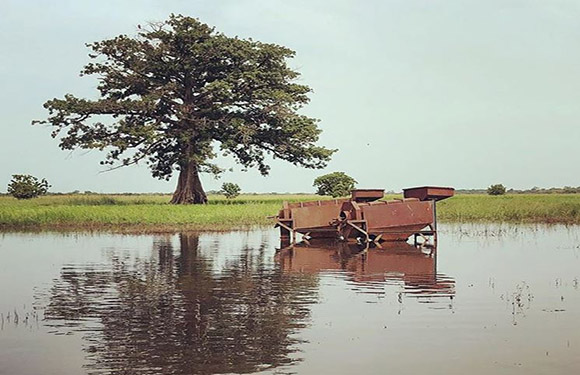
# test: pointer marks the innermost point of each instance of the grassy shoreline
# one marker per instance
(151, 213)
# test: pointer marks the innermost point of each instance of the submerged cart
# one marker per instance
(364, 217)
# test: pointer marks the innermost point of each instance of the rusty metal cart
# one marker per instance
(364, 217)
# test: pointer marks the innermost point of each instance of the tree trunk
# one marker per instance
(189, 189)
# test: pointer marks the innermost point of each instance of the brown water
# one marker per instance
(490, 299)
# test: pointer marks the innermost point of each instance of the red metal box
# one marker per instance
(367, 195)
(425, 193)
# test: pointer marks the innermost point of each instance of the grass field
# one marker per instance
(151, 213)
(516, 208)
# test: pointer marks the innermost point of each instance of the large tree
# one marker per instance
(178, 93)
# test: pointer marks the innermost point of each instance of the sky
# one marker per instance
(412, 92)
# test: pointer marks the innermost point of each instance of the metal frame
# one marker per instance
(345, 224)
(428, 236)
(288, 228)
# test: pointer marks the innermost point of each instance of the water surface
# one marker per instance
(490, 299)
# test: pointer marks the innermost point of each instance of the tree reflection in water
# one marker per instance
(175, 313)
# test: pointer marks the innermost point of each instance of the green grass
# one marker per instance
(151, 213)
(139, 212)
(517, 208)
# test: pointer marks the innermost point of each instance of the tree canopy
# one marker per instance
(336, 184)
(178, 94)
(497, 189)
(24, 186)
(231, 190)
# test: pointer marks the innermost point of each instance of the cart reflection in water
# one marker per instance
(370, 268)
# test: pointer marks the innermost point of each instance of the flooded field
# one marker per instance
(490, 299)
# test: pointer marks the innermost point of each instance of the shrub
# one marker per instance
(231, 190)
(336, 184)
(23, 186)
(571, 190)
(497, 189)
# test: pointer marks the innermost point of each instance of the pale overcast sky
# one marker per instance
(412, 92)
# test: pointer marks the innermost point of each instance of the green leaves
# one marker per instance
(230, 190)
(497, 189)
(336, 184)
(24, 186)
(170, 93)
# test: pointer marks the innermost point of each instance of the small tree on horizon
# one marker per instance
(497, 189)
(178, 94)
(336, 184)
(24, 186)
(231, 190)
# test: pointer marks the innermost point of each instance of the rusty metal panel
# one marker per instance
(396, 234)
(315, 216)
(329, 202)
(429, 192)
(367, 195)
(411, 213)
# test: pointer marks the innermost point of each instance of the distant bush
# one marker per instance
(336, 184)
(24, 186)
(231, 190)
(497, 189)
(571, 190)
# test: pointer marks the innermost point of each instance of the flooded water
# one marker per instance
(490, 299)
